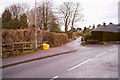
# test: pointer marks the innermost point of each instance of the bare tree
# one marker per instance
(77, 15)
(31, 17)
(66, 13)
(45, 13)
(18, 9)
(71, 13)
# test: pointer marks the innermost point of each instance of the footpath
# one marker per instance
(42, 54)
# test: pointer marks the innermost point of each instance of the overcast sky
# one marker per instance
(95, 11)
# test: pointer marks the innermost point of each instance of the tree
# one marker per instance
(15, 24)
(77, 15)
(6, 18)
(23, 21)
(14, 16)
(17, 9)
(54, 26)
(45, 14)
(84, 30)
(70, 13)
(66, 13)
(31, 18)
(45, 17)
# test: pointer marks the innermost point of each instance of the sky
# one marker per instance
(95, 11)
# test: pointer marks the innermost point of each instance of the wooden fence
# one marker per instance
(19, 46)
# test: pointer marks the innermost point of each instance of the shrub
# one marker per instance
(87, 36)
(54, 39)
(76, 34)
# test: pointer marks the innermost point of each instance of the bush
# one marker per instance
(76, 34)
(15, 38)
(54, 39)
(87, 36)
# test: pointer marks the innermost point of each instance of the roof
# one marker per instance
(108, 28)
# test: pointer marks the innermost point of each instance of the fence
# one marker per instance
(13, 49)
(19, 46)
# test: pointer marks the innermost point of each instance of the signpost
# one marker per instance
(35, 44)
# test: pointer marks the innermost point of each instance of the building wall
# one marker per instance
(106, 36)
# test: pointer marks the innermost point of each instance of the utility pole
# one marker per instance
(35, 42)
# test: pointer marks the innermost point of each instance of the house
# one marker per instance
(105, 32)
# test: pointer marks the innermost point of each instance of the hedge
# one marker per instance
(28, 35)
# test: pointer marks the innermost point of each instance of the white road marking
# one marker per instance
(114, 45)
(84, 62)
(101, 54)
(79, 64)
(115, 48)
(54, 78)
(110, 50)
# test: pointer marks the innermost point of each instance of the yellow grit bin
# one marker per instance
(46, 46)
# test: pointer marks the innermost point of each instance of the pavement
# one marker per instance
(64, 49)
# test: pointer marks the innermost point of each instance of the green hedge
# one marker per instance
(87, 36)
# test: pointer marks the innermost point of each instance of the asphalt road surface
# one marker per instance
(91, 61)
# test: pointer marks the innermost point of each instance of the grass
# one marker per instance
(25, 52)
(17, 54)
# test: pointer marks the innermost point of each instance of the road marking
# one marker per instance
(115, 48)
(79, 64)
(54, 78)
(101, 54)
(110, 50)
(114, 45)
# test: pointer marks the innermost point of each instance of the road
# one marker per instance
(91, 61)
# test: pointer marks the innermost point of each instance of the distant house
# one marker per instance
(86, 30)
(109, 32)
(79, 30)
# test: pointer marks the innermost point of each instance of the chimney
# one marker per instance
(104, 24)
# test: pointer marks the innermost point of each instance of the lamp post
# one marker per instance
(35, 41)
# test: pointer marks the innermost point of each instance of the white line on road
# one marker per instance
(79, 64)
(84, 62)
(110, 50)
(114, 45)
(54, 78)
(100, 54)
(115, 48)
